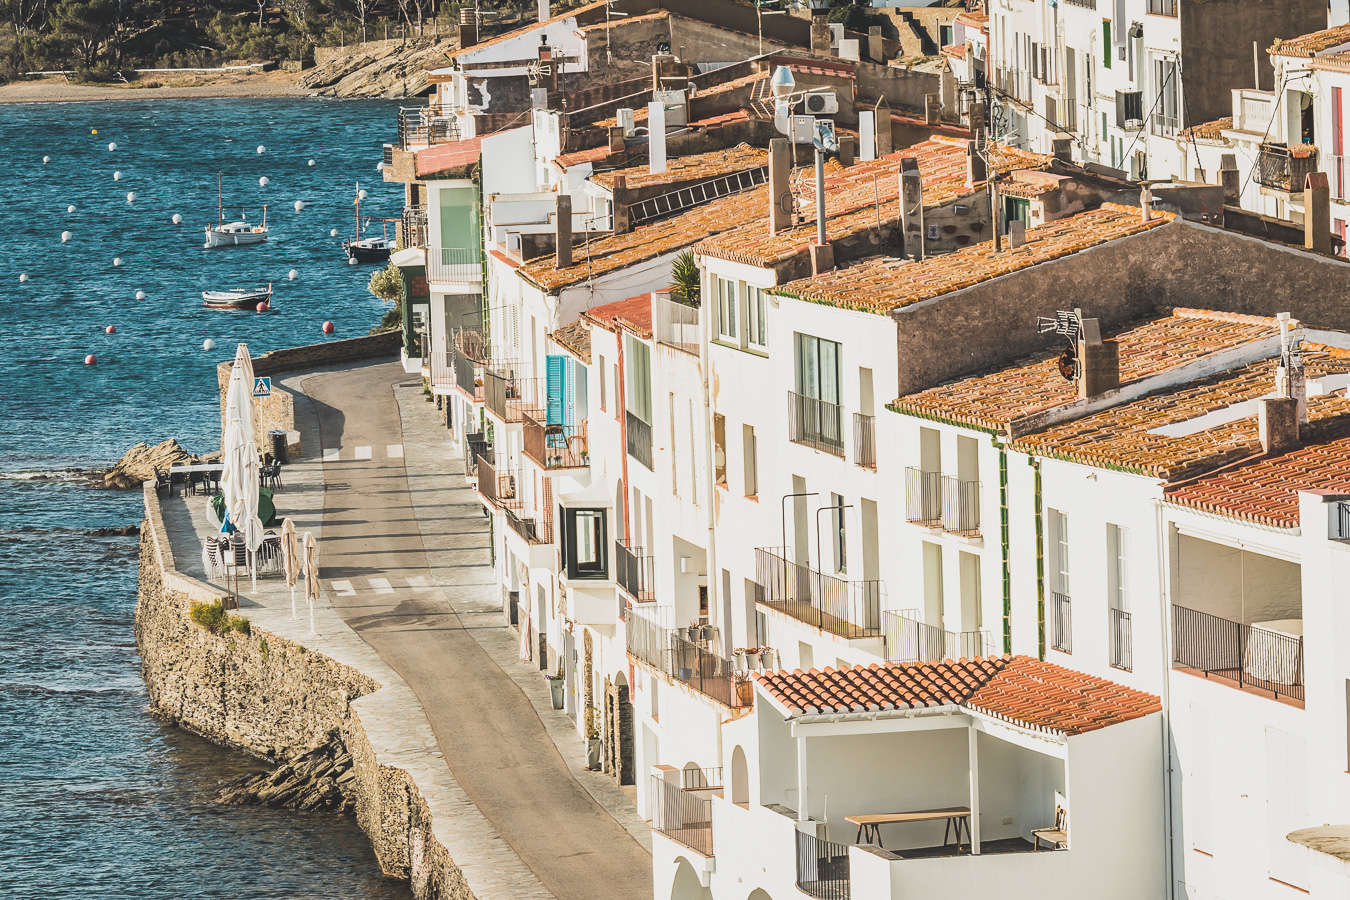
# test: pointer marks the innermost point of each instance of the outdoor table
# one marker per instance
(869, 825)
(186, 469)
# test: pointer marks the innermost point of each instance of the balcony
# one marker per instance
(468, 378)
(1285, 168)
(413, 227)
(509, 396)
(689, 662)
(639, 439)
(1122, 640)
(442, 376)
(1260, 657)
(422, 126)
(684, 814)
(1339, 176)
(536, 529)
(849, 609)
(934, 500)
(676, 325)
(1061, 622)
(822, 868)
(500, 488)
(633, 572)
(923, 497)
(475, 445)
(1165, 125)
(554, 446)
(910, 640)
(816, 423)
(865, 440)
(456, 265)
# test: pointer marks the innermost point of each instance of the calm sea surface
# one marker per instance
(97, 799)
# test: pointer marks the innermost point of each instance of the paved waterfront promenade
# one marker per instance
(409, 600)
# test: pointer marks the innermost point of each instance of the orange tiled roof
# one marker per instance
(1025, 691)
(1310, 45)
(852, 195)
(711, 164)
(645, 242)
(1209, 132)
(1035, 385)
(634, 314)
(620, 23)
(881, 284)
(1125, 436)
(448, 156)
(1266, 490)
(516, 32)
(575, 337)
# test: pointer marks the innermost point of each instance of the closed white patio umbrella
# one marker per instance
(290, 558)
(310, 563)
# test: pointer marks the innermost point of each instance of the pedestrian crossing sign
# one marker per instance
(262, 387)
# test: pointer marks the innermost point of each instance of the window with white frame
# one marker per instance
(726, 309)
(1117, 563)
(756, 330)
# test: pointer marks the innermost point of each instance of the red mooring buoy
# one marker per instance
(90, 359)
(263, 307)
(328, 328)
(111, 329)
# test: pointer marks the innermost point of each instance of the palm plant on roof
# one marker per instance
(684, 276)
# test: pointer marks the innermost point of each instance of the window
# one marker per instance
(1165, 96)
(726, 309)
(1129, 109)
(1162, 7)
(1107, 50)
(603, 375)
(638, 378)
(1117, 562)
(805, 656)
(720, 448)
(818, 368)
(1059, 534)
(837, 531)
(584, 544)
(751, 467)
(674, 451)
(756, 333)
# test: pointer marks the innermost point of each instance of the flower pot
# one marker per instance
(740, 662)
(593, 754)
(555, 692)
(766, 659)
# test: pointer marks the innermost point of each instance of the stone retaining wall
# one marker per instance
(271, 697)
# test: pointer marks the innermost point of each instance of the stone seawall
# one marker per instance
(274, 698)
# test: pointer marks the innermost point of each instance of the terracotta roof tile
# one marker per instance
(634, 314)
(1209, 132)
(852, 196)
(575, 337)
(516, 32)
(712, 164)
(1310, 45)
(882, 284)
(1025, 691)
(1034, 385)
(451, 155)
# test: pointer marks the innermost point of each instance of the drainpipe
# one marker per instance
(1166, 693)
(1040, 559)
(621, 398)
(710, 492)
(1004, 533)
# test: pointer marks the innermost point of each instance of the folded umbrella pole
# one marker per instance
(290, 558)
(311, 565)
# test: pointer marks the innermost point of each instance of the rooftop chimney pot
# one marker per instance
(1317, 213)
(1277, 422)
(562, 253)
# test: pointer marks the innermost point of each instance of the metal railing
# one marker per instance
(413, 226)
(457, 264)
(816, 423)
(910, 640)
(388, 155)
(639, 440)
(923, 497)
(466, 375)
(693, 779)
(849, 609)
(425, 125)
(865, 440)
(1340, 525)
(822, 868)
(536, 529)
(1250, 655)
(475, 445)
(510, 395)
(684, 816)
(1061, 620)
(633, 571)
(554, 446)
(960, 506)
(1122, 640)
(442, 368)
(1165, 125)
(500, 488)
(1277, 167)
(473, 343)
(1339, 176)
(676, 325)
(669, 651)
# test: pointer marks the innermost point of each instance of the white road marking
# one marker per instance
(332, 455)
(418, 583)
(395, 451)
(343, 588)
(363, 453)
(382, 585)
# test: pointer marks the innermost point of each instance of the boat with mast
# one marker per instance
(372, 249)
(238, 298)
(237, 233)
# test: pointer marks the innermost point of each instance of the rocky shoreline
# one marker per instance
(317, 781)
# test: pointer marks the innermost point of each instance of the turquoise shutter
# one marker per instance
(569, 397)
(556, 367)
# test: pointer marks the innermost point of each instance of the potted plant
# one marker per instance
(556, 683)
(766, 657)
(592, 740)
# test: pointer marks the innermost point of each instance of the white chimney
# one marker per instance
(1290, 378)
(1146, 204)
(656, 137)
(543, 10)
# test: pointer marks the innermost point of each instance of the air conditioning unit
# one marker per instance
(625, 119)
(824, 103)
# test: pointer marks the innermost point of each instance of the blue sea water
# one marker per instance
(97, 798)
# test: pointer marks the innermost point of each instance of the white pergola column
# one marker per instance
(801, 779)
(973, 736)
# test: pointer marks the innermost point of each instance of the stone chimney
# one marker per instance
(820, 35)
(1231, 179)
(885, 141)
(562, 254)
(848, 150)
(622, 220)
(1317, 213)
(975, 115)
(1098, 362)
(911, 208)
(1017, 233)
(976, 170)
(932, 109)
(618, 147)
(1062, 150)
(780, 192)
(1277, 421)
(548, 67)
(1145, 204)
(876, 47)
(468, 28)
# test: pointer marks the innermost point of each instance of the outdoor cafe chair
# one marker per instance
(162, 480)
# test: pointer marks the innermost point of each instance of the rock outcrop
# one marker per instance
(138, 464)
(313, 782)
(388, 72)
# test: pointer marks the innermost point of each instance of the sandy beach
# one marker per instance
(59, 90)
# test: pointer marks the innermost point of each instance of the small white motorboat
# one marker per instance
(237, 233)
(237, 298)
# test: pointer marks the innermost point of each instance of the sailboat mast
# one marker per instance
(220, 200)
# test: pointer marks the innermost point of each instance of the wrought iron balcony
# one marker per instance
(537, 529)
(634, 572)
(850, 609)
(554, 446)
(671, 652)
(822, 868)
(1122, 640)
(910, 640)
(639, 439)
(1285, 168)
(1061, 620)
(422, 126)
(1244, 655)
(865, 440)
(413, 227)
(683, 814)
(816, 423)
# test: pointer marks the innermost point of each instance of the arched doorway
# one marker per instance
(618, 737)
(740, 778)
(759, 894)
(686, 886)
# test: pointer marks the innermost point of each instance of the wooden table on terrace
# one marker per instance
(869, 825)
